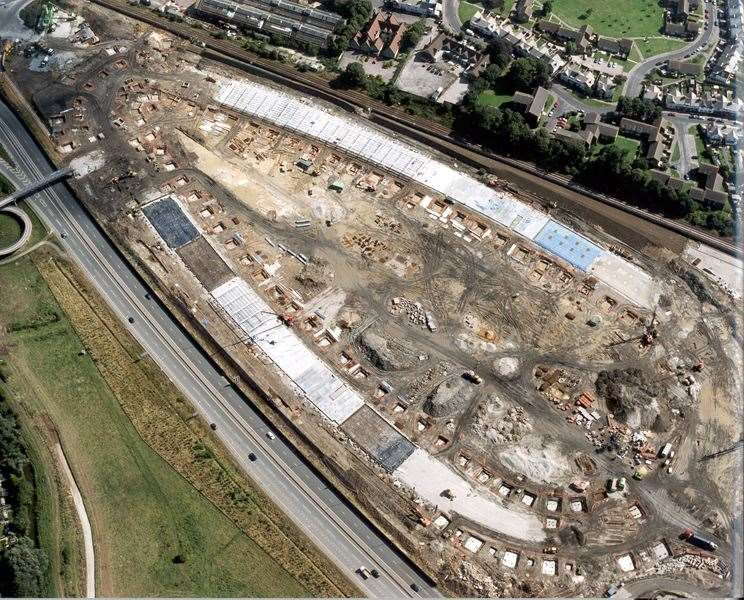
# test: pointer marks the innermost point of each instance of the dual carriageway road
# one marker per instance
(337, 530)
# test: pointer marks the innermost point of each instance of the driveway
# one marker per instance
(637, 73)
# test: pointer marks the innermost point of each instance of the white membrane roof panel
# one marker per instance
(336, 399)
(370, 145)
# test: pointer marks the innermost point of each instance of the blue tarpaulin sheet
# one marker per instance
(568, 245)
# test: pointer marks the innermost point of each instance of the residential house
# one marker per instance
(550, 27)
(582, 136)
(604, 132)
(653, 92)
(578, 78)
(454, 50)
(522, 41)
(655, 153)
(709, 104)
(711, 191)
(604, 86)
(582, 37)
(685, 68)
(719, 134)
(660, 176)
(716, 198)
(621, 47)
(728, 65)
(533, 104)
(381, 37)
(658, 143)
(711, 178)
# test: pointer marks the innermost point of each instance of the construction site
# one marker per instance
(524, 404)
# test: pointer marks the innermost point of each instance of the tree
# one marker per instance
(638, 109)
(356, 13)
(12, 453)
(353, 76)
(499, 53)
(528, 73)
(22, 568)
(413, 35)
(547, 8)
(720, 222)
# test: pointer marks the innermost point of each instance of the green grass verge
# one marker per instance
(659, 45)
(621, 18)
(635, 54)
(466, 10)
(10, 229)
(676, 152)
(143, 513)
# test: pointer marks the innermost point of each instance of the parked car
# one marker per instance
(270, 435)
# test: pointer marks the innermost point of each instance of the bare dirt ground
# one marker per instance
(528, 383)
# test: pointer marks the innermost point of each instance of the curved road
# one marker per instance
(450, 16)
(338, 531)
(26, 228)
(637, 73)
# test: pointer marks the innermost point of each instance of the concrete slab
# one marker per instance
(429, 478)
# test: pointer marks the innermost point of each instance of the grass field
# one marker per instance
(155, 534)
(658, 45)
(466, 10)
(621, 18)
(627, 144)
(491, 98)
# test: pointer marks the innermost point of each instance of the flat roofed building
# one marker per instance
(291, 19)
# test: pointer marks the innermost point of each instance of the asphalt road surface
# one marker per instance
(637, 73)
(304, 497)
(450, 16)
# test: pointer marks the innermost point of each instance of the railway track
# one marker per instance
(422, 130)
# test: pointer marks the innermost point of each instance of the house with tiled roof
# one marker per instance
(381, 37)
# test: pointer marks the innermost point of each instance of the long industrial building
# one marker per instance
(283, 17)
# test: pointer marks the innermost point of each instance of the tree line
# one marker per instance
(23, 565)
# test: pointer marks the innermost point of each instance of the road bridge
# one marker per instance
(36, 186)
